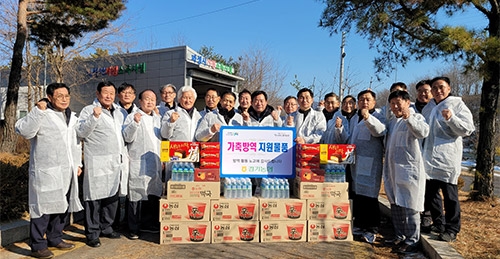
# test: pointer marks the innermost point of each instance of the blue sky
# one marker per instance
(286, 29)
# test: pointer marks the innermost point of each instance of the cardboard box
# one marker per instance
(310, 157)
(311, 190)
(189, 232)
(210, 146)
(185, 210)
(235, 231)
(283, 231)
(234, 209)
(192, 190)
(327, 209)
(310, 174)
(308, 148)
(207, 175)
(337, 153)
(282, 209)
(307, 164)
(212, 154)
(179, 151)
(329, 230)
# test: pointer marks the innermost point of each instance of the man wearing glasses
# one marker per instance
(168, 94)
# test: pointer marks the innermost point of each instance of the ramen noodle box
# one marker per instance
(314, 190)
(180, 151)
(283, 231)
(310, 174)
(329, 230)
(337, 153)
(206, 175)
(209, 163)
(192, 190)
(189, 232)
(282, 209)
(234, 209)
(326, 209)
(235, 231)
(184, 210)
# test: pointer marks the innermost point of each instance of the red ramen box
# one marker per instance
(337, 153)
(329, 230)
(328, 190)
(235, 231)
(282, 209)
(179, 151)
(192, 190)
(189, 232)
(184, 210)
(234, 209)
(283, 231)
(327, 209)
(310, 174)
(206, 175)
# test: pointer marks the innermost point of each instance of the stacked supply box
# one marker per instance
(210, 155)
(235, 220)
(283, 220)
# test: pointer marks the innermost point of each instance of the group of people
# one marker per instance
(411, 146)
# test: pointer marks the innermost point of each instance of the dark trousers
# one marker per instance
(51, 225)
(366, 213)
(450, 220)
(99, 216)
(145, 213)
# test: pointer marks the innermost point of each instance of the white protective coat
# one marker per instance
(404, 173)
(55, 156)
(143, 142)
(368, 136)
(125, 156)
(183, 129)
(443, 147)
(311, 128)
(104, 149)
(203, 133)
(334, 135)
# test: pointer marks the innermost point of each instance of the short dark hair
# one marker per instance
(288, 98)
(143, 91)
(367, 91)
(212, 89)
(423, 82)
(124, 86)
(305, 90)
(444, 78)
(259, 92)
(401, 94)
(332, 94)
(230, 93)
(52, 88)
(244, 91)
(348, 96)
(401, 84)
(103, 84)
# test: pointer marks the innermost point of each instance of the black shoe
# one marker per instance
(64, 246)
(94, 243)
(396, 242)
(437, 229)
(425, 229)
(407, 249)
(448, 236)
(133, 236)
(43, 254)
(112, 235)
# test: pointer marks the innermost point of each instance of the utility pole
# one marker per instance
(342, 55)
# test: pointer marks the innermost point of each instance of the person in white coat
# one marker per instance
(141, 132)
(404, 173)
(309, 123)
(209, 127)
(260, 113)
(450, 120)
(368, 136)
(212, 100)
(168, 94)
(55, 164)
(100, 127)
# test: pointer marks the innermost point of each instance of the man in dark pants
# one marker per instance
(100, 128)
(53, 187)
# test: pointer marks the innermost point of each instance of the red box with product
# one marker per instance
(211, 154)
(206, 175)
(308, 148)
(210, 163)
(210, 146)
(180, 151)
(310, 174)
(337, 153)
(307, 164)
(307, 157)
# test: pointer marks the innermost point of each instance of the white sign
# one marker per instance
(257, 152)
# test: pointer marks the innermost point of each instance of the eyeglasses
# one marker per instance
(62, 97)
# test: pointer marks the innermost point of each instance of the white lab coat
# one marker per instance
(311, 128)
(267, 121)
(143, 142)
(334, 135)
(103, 152)
(206, 111)
(55, 156)
(183, 129)
(203, 132)
(162, 108)
(125, 156)
(368, 136)
(443, 147)
(404, 173)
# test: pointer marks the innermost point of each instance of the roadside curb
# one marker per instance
(433, 248)
(14, 231)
